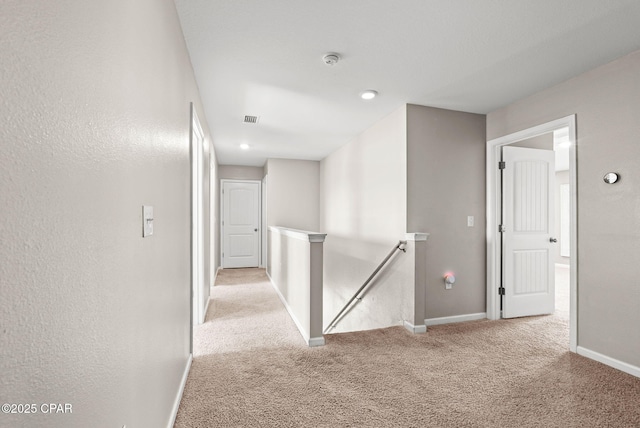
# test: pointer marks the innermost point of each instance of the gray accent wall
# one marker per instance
(606, 102)
(445, 184)
(236, 172)
(541, 142)
(95, 123)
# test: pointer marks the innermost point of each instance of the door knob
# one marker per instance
(255, 230)
(553, 240)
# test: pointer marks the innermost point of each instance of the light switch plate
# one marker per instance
(147, 221)
(470, 221)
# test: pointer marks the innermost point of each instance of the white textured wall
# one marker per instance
(293, 188)
(214, 215)
(364, 213)
(289, 267)
(94, 123)
(209, 170)
(606, 102)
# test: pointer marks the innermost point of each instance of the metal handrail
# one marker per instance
(400, 246)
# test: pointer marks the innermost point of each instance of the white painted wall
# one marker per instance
(214, 215)
(606, 101)
(295, 268)
(364, 213)
(208, 165)
(94, 124)
(292, 193)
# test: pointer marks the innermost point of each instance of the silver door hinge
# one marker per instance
(501, 291)
(502, 165)
(501, 228)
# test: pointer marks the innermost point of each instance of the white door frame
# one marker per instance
(197, 226)
(230, 180)
(494, 208)
(263, 235)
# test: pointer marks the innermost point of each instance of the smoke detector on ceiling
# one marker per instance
(331, 59)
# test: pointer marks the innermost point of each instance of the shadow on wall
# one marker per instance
(278, 255)
(388, 299)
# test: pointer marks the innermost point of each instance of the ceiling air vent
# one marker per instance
(251, 119)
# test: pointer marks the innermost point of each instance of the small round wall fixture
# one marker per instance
(369, 94)
(611, 177)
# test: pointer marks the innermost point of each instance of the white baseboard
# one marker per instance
(311, 341)
(183, 382)
(415, 329)
(611, 362)
(455, 318)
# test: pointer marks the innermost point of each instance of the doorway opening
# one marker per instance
(561, 146)
(513, 270)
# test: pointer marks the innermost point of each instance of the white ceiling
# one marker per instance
(264, 58)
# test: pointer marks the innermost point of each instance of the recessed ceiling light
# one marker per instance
(244, 146)
(369, 94)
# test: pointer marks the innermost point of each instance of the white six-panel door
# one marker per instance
(240, 224)
(528, 224)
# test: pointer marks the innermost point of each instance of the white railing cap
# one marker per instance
(304, 235)
(417, 236)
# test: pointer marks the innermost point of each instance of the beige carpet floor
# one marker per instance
(252, 369)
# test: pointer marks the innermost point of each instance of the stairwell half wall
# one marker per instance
(363, 212)
(420, 169)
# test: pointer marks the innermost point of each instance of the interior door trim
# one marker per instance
(261, 213)
(493, 185)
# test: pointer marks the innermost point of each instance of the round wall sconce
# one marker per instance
(611, 177)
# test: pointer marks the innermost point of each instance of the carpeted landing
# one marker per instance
(251, 368)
